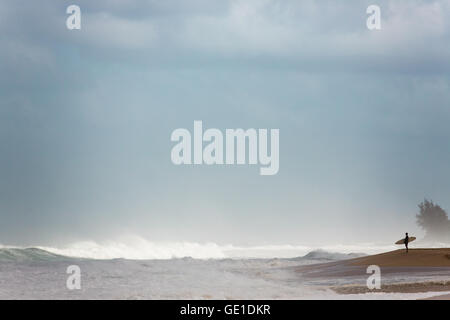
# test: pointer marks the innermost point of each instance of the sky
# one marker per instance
(86, 118)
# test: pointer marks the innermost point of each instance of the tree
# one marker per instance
(434, 220)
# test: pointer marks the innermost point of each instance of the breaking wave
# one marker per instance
(28, 254)
(39, 254)
(136, 248)
(322, 255)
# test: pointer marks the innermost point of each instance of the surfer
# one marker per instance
(406, 241)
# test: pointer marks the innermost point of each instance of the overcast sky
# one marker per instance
(86, 117)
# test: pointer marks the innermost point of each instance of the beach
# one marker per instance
(416, 271)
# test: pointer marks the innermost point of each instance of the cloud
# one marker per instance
(309, 34)
(109, 32)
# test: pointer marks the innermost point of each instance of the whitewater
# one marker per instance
(148, 270)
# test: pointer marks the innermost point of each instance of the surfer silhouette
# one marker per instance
(406, 241)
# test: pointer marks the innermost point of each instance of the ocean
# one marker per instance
(214, 272)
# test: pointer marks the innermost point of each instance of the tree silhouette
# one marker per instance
(434, 220)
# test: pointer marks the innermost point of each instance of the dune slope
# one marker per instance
(414, 258)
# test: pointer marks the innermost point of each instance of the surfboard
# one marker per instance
(402, 241)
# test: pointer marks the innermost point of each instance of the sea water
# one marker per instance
(120, 273)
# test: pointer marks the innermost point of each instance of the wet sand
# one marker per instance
(443, 297)
(408, 287)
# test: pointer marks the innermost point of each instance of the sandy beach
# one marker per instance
(419, 270)
(414, 258)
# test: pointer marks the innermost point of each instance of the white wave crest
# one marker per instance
(138, 248)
